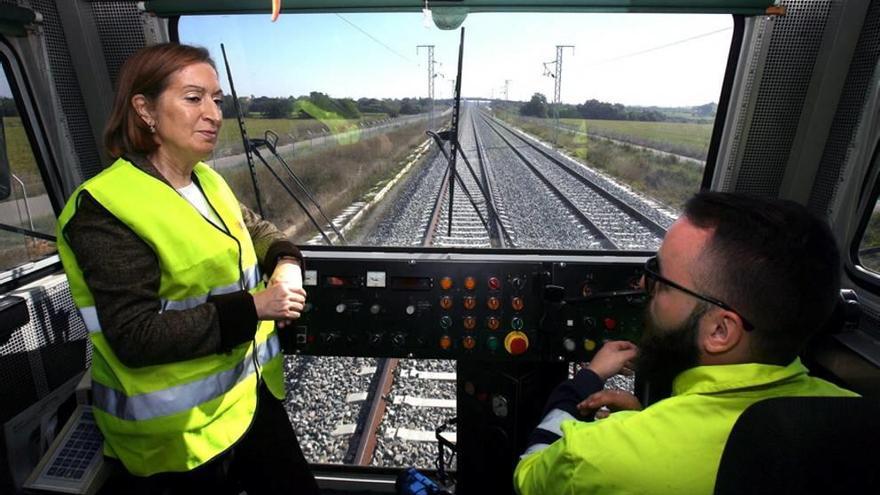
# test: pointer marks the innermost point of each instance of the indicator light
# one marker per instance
(517, 303)
(470, 322)
(446, 302)
(470, 283)
(493, 323)
(469, 342)
(494, 283)
(493, 303)
(610, 323)
(445, 342)
(470, 302)
(446, 283)
(589, 345)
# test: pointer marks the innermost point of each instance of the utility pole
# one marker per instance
(557, 84)
(430, 77)
(507, 90)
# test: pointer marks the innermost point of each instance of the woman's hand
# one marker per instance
(287, 273)
(280, 302)
(605, 402)
(612, 358)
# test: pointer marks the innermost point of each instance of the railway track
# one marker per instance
(516, 193)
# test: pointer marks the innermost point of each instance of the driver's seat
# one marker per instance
(802, 445)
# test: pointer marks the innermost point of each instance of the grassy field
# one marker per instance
(871, 240)
(336, 176)
(666, 179)
(288, 130)
(21, 158)
(686, 139)
(690, 140)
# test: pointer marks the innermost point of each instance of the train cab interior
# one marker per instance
(475, 186)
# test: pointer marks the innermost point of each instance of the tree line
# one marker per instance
(318, 105)
(600, 110)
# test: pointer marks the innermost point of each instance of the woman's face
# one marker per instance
(187, 114)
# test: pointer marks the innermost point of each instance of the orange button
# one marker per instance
(470, 283)
(446, 302)
(469, 342)
(446, 283)
(470, 302)
(517, 303)
(516, 343)
(493, 323)
(493, 303)
(445, 342)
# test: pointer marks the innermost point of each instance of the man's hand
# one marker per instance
(612, 358)
(605, 402)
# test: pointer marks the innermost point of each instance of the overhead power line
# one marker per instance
(649, 50)
(368, 35)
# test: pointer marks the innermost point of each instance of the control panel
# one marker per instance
(488, 308)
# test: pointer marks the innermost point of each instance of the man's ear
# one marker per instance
(721, 332)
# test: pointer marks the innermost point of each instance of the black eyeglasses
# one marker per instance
(652, 276)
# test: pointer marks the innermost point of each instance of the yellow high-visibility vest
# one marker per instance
(175, 416)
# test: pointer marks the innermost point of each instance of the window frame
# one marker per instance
(861, 275)
(25, 102)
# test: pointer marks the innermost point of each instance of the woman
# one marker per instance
(164, 265)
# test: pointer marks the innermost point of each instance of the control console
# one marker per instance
(464, 306)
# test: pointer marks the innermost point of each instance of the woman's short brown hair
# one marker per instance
(147, 72)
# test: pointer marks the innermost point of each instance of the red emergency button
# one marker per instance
(516, 343)
(610, 323)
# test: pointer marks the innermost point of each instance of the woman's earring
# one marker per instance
(152, 128)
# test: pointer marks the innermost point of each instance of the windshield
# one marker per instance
(575, 131)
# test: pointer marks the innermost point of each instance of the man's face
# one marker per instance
(669, 344)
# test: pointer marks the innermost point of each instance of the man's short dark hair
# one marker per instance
(774, 262)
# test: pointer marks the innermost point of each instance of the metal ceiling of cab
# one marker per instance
(189, 7)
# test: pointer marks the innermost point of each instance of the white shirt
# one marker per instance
(196, 197)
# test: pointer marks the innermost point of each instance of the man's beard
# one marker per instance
(665, 352)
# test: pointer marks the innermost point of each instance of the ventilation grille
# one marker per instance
(67, 87)
(121, 31)
(45, 353)
(787, 70)
(748, 87)
(848, 114)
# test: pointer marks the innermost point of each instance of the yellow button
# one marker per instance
(589, 344)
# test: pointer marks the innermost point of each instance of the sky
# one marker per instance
(633, 59)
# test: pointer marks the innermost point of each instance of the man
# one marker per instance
(738, 286)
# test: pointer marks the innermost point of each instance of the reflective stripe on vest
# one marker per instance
(252, 280)
(185, 396)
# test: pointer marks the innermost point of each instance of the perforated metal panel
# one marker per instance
(121, 31)
(848, 114)
(784, 81)
(67, 88)
(46, 352)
